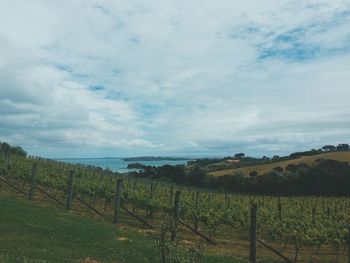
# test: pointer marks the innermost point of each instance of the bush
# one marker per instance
(253, 173)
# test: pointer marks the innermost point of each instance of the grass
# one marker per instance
(31, 232)
(261, 169)
(39, 232)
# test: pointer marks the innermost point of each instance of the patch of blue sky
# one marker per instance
(116, 72)
(296, 44)
(116, 95)
(291, 35)
(134, 40)
(293, 44)
(301, 52)
(103, 9)
(63, 67)
(97, 87)
(68, 69)
(149, 110)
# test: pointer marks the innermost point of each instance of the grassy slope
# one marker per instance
(30, 232)
(340, 156)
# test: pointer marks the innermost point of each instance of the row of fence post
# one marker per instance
(33, 183)
(349, 243)
(175, 215)
(118, 195)
(117, 201)
(70, 190)
(254, 238)
(253, 233)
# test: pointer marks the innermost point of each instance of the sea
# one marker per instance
(118, 164)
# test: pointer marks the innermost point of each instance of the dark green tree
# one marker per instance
(343, 147)
(239, 155)
(329, 148)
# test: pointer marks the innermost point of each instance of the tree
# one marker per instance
(17, 150)
(253, 173)
(328, 177)
(329, 148)
(196, 176)
(239, 155)
(5, 147)
(265, 158)
(5, 150)
(175, 173)
(278, 169)
(343, 147)
(275, 158)
(273, 183)
(291, 167)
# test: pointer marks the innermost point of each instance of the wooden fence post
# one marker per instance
(7, 166)
(176, 215)
(133, 203)
(196, 207)
(227, 201)
(171, 195)
(7, 159)
(349, 243)
(323, 205)
(118, 193)
(279, 209)
(70, 190)
(33, 184)
(253, 234)
(152, 190)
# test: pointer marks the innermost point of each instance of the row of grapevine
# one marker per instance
(319, 223)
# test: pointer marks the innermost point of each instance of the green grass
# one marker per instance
(30, 232)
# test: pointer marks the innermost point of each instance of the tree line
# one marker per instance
(325, 177)
(6, 150)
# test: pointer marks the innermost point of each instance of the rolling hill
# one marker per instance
(261, 169)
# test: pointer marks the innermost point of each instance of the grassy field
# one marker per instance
(261, 169)
(39, 233)
(42, 231)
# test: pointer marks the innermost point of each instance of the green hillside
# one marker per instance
(261, 169)
(32, 232)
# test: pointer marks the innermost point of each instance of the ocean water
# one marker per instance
(117, 164)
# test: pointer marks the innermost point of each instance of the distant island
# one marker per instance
(154, 158)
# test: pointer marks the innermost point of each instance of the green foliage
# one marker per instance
(239, 155)
(5, 148)
(30, 233)
(18, 151)
(343, 147)
(196, 176)
(214, 211)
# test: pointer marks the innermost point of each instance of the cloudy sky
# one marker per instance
(158, 77)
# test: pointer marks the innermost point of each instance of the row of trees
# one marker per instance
(340, 147)
(326, 177)
(7, 149)
(326, 148)
(216, 164)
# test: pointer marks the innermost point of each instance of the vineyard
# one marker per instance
(305, 229)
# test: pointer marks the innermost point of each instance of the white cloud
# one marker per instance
(159, 77)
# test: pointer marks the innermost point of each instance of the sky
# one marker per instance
(89, 78)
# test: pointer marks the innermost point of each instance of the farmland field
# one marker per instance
(261, 169)
(302, 228)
